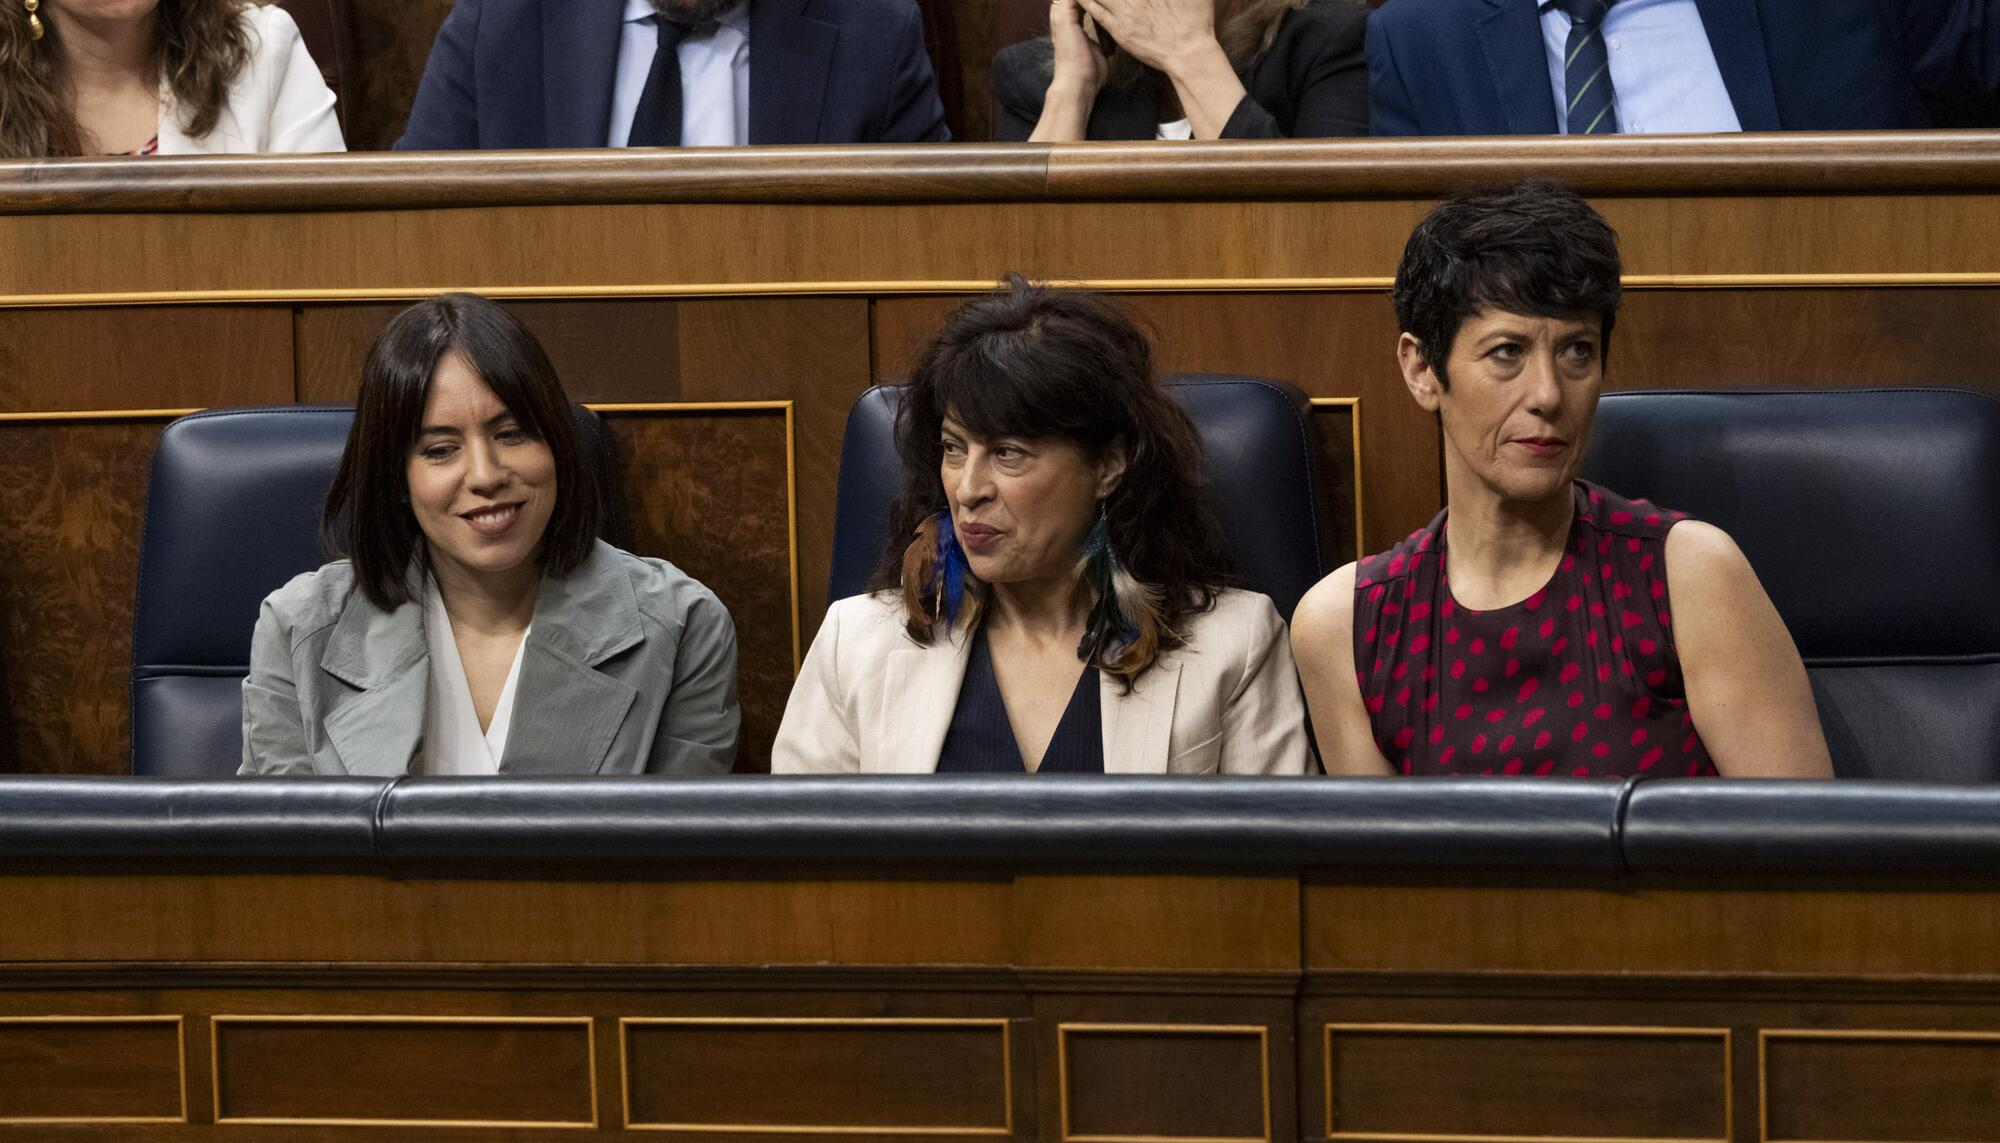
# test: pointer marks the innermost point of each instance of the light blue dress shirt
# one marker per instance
(715, 77)
(1663, 71)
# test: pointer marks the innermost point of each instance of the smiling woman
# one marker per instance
(478, 625)
(1541, 625)
(1060, 604)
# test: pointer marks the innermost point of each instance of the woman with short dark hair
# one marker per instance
(1053, 597)
(1541, 625)
(1186, 69)
(479, 625)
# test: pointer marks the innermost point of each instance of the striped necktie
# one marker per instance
(1587, 70)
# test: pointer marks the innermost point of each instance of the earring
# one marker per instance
(34, 21)
(1124, 623)
(935, 570)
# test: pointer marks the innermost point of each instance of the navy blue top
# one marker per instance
(981, 740)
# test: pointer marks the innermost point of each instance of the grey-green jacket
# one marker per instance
(630, 668)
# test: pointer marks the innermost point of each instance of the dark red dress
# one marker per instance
(1581, 678)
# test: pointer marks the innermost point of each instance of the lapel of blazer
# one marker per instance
(922, 692)
(579, 65)
(1138, 727)
(567, 713)
(383, 654)
(791, 57)
(1511, 36)
(1736, 34)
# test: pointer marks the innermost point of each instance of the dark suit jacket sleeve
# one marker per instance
(445, 116)
(1020, 85)
(1954, 51)
(914, 113)
(1390, 109)
(1319, 61)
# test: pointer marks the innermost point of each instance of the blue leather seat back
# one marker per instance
(232, 514)
(1266, 477)
(1873, 519)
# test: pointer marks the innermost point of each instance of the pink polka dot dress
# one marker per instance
(1580, 679)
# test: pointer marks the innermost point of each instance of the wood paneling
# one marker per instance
(1762, 338)
(709, 492)
(856, 1075)
(71, 498)
(385, 1069)
(1596, 1083)
(174, 357)
(1889, 1087)
(1238, 924)
(1163, 1081)
(604, 351)
(814, 352)
(1841, 932)
(82, 1068)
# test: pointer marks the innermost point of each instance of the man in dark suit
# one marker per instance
(1523, 67)
(595, 73)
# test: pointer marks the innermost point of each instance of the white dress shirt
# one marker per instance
(715, 77)
(1664, 77)
(453, 743)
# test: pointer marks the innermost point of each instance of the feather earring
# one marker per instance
(1122, 632)
(936, 578)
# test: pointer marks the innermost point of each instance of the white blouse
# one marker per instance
(453, 743)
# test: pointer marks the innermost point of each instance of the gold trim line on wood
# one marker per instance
(625, 1023)
(788, 408)
(1063, 1030)
(180, 1063)
(1766, 1035)
(1354, 425)
(1725, 1035)
(307, 296)
(587, 1023)
(95, 415)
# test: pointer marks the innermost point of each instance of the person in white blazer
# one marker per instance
(168, 77)
(1062, 606)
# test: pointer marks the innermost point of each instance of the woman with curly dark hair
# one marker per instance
(168, 77)
(1054, 598)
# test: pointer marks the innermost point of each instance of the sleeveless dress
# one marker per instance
(1579, 679)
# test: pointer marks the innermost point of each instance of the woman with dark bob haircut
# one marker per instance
(1541, 625)
(1053, 595)
(478, 625)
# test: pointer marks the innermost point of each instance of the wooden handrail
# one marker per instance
(1797, 163)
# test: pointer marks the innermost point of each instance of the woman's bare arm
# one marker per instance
(1746, 685)
(1323, 646)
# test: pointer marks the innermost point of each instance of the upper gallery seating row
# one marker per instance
(1872, 517)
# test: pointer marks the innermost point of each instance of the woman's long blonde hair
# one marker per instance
(199, 49)
(1244, 28)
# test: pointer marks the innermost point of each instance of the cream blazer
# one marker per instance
(278, 104)
(869, 700)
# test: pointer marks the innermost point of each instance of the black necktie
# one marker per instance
(657, 122)
(1587, 70)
